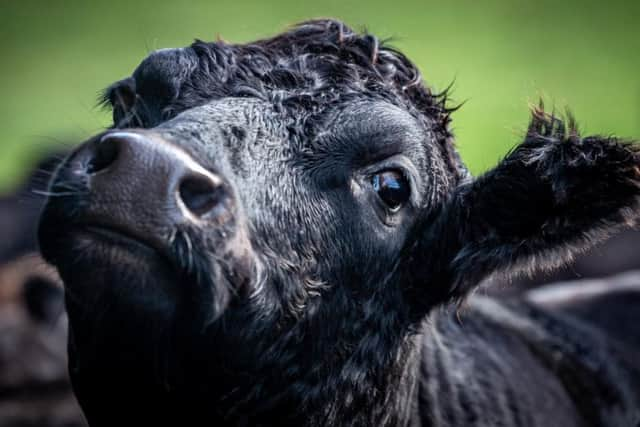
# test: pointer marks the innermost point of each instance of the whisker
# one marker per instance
(189, 251)
(135, 113)
(55, 194)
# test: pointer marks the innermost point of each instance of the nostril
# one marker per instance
(105, 153)
(200, 195)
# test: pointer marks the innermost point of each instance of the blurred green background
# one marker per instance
(503, 55)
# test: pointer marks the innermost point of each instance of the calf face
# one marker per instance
(273, 214)
(269, 175)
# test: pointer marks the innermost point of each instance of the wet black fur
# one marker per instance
(375, 340)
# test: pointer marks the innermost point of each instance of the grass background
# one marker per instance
(503, 55)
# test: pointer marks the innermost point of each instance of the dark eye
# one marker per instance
(392, 187)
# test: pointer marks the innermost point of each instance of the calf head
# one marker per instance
(263, 217)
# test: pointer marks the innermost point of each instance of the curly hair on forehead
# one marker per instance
(323, 54)
(318, 63)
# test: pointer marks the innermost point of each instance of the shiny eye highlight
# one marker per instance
(392, 188)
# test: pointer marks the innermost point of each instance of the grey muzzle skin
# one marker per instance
(143, 186)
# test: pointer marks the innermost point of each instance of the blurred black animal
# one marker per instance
(280, 232)
(34, 384)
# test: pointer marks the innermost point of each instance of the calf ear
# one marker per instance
(121, 97)
(554, 195)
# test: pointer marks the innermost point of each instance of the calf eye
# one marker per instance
(392, 187)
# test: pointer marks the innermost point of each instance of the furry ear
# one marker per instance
(121, 97)
(554, 195)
